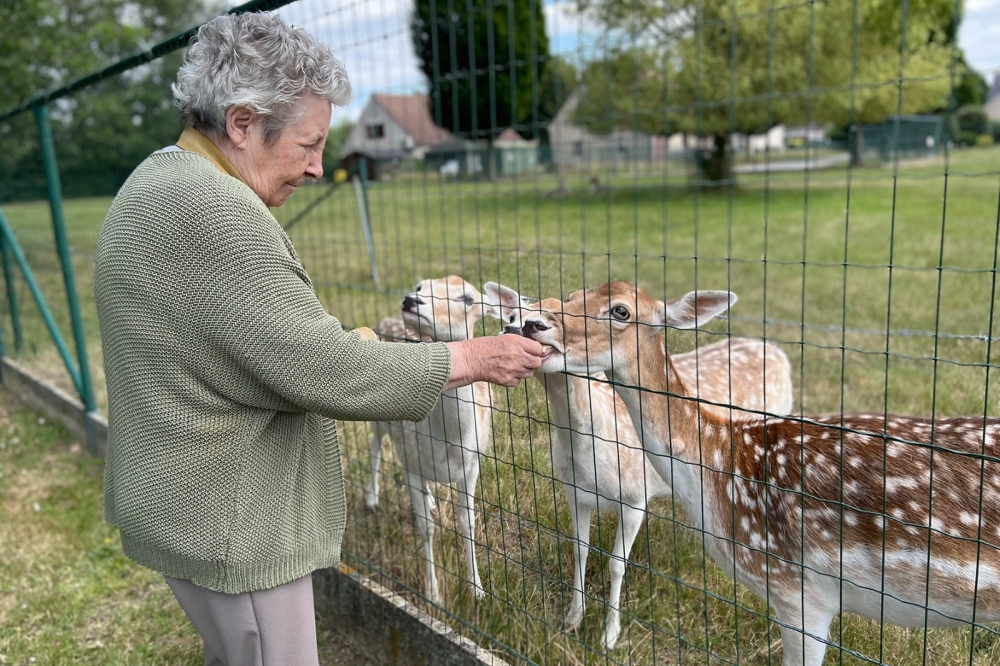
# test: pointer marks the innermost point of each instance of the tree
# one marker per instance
(971, 88)
(103, 131)
(334, 143)
(716, 67)
(483, 61)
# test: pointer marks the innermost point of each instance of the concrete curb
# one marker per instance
(399, 632)
(56, 404)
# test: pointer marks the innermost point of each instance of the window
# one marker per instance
(578, 147)
(375, 131)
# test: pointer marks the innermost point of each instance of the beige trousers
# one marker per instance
(275, 627)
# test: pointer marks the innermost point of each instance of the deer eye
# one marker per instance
(512, 319)
(620, 312)
(418, 287)
(469, 300)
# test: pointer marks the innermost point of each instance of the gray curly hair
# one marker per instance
(259, 61)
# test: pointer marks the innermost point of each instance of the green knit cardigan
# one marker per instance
(224, 376)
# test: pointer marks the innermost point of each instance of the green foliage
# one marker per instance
(624, 90)
(970, 88)
(484, 62)
(972, 119)
(334, 142)
(715, 67)
(984, 140)
(103, 132)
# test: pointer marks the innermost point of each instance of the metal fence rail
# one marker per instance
(678, 148)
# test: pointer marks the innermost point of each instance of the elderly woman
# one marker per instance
(224, 372)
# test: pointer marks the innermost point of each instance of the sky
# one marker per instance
(372, 38)
(979, 36)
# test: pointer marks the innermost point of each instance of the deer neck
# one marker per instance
(571, 402)
(670, 428)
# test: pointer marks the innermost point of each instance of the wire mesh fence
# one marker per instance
(553, 146)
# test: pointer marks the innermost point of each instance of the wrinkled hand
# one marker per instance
(499, 359)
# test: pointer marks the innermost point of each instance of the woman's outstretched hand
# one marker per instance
(499, 359)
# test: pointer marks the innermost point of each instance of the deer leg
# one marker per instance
(421, 502)
(467, 522)
(629, 522)
(371, 492)
(580, 514)
(799, 647)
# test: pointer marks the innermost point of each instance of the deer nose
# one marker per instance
(410, 303)
(513, 330)
(532, 326)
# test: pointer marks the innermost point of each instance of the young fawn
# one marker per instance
(819, 515)
(444, 447)
(596, 453)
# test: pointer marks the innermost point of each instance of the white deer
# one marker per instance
(597, 455)
(820, 515)
(445, 447)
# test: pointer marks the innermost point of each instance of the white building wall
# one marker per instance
(394, 138)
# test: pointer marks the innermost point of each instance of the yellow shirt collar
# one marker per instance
(194, 141)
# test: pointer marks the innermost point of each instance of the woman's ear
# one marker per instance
(239, 122)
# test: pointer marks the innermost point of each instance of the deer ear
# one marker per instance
(472, 298)
(500, 301)
(696, 308)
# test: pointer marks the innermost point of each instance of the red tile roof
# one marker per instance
(412, 112)
(511, 135)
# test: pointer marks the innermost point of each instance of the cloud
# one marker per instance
(371, 38)
(978, 35)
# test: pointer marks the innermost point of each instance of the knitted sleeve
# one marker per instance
(251, 303)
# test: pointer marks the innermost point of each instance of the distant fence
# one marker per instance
(877, 282)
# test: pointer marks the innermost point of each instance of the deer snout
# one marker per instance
(411, 302)
(513, 330)
(531, 326)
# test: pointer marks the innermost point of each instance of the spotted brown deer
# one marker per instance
(820, 515)
(596, 453)
(445, 447)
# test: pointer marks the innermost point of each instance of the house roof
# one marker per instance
(510, 139)
(510, 135)
(413, 114)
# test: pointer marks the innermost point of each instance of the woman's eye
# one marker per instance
(620, 312)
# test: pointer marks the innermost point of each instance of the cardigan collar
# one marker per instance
(194, 141)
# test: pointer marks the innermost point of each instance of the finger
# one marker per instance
(533, 347)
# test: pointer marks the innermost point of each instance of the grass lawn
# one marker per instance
(67, 593)
(878, 283)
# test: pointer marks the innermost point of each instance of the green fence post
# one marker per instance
(8, 235)
(15, 315)
(362, 195)
(62, 246)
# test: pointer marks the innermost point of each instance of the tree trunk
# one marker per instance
(716, 162)
(857, 147)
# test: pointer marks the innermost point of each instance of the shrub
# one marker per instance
(984, 140)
